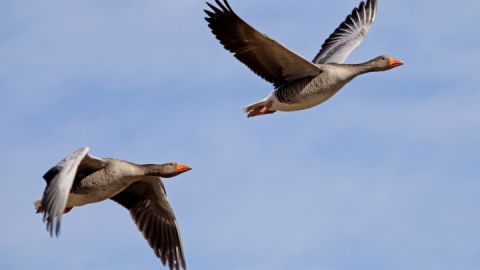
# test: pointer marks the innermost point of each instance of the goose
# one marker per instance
(298, 83)
(81, 179)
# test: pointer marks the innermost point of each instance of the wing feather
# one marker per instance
(60, 179)
(348, 35)
(263, 55)
(148, 205)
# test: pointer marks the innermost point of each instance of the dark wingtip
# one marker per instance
(210, 15)
(212, 7)
(163, 259)
(220, 7)
(57, 227)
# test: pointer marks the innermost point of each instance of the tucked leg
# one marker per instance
(264, 109)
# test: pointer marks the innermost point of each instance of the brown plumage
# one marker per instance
(81, 179)
(299, 84)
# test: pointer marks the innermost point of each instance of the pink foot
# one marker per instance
(265, 109)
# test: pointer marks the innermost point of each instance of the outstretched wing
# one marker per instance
(263, 55)
(348, 35)
(88, 165)
(148, 205)
(59, 182)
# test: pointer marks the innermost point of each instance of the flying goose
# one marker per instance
(299, 84)
(81, 179)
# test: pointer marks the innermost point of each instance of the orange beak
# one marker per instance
(392, 62)
(182, 168)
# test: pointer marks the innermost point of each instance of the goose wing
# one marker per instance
(88, 165)
(148, 205)
(263, 55)
(59, 182)
(348, 35)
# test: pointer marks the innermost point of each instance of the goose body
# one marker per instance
(104, 183)
(299, 84)
(81, 179)
(309, 92)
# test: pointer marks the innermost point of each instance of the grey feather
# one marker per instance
(348, 35)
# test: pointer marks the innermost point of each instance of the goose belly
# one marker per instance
(92, 194)
(308, 97)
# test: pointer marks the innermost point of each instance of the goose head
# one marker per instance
(166, 170)
(384, 62)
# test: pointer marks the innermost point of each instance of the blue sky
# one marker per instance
(382, 176)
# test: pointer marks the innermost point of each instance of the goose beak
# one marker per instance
(392, 62)
(182, 168)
